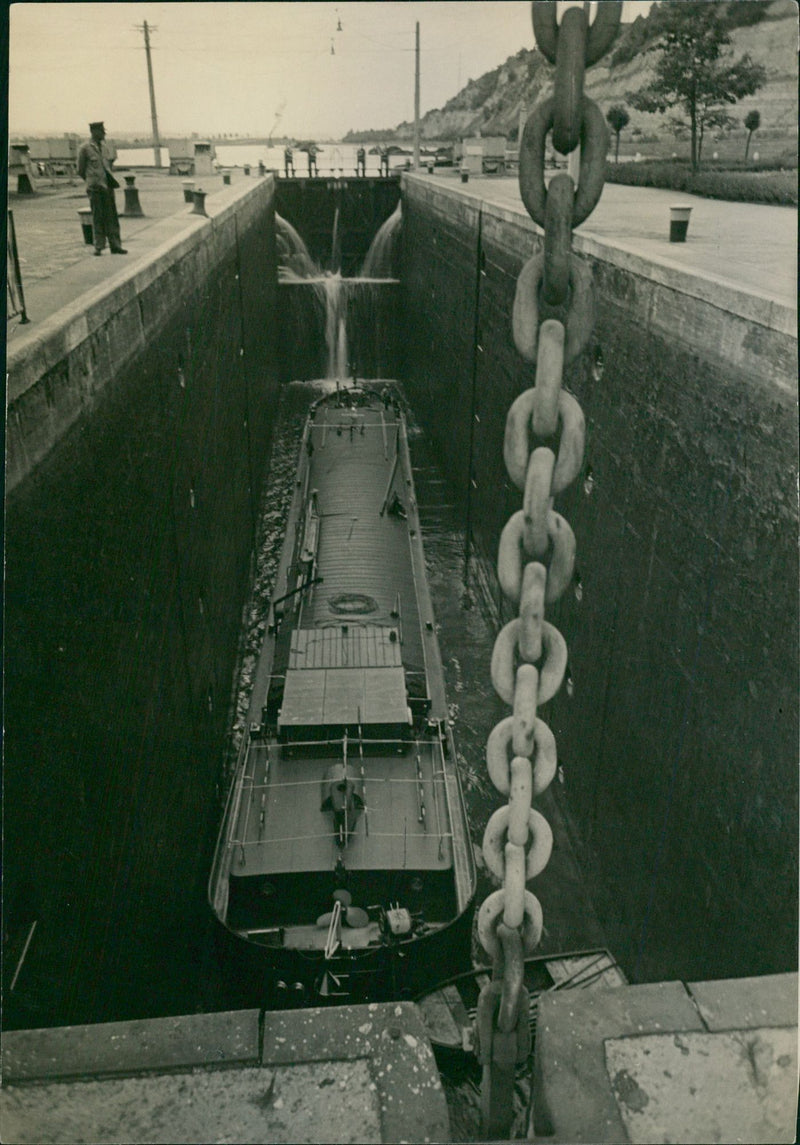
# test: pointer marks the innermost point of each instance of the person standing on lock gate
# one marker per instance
(312, 160)
(361, 162)
(94, 167)
(288, 161)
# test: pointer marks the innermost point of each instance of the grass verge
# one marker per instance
(778, 187)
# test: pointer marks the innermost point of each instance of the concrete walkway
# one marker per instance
(345, 1074)
(56, 264)
(668, 1061)
(746, 246)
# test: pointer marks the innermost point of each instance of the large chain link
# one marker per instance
(553, 317)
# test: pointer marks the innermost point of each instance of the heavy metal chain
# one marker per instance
(552, 319)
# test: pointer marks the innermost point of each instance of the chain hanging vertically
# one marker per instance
(543, 454)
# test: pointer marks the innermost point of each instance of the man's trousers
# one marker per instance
(105, 221)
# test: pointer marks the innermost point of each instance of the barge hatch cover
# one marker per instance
(330, 697)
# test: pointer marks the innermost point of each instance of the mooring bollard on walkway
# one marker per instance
(19, 164)
(199, 200)
(188, 190)
(678, 223)
(85, 216)
(226, 178)
(133, 208)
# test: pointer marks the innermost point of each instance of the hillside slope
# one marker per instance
(491, 104)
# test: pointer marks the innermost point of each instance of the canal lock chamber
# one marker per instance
(130, 536)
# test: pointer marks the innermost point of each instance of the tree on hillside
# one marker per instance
(618, 118)
(752, 122)
(719, 119)
(694, 72)
(744, 13)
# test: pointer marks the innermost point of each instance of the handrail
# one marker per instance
(394, 742)
(369, 779)
(231, 813)
(420, 793)
(15, 297)
(334, 835)
(363, 776)
(448, 804)
(436, 799)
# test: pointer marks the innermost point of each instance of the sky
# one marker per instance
(257, 68)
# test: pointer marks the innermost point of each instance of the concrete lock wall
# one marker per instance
(139, 426)
(679, 744)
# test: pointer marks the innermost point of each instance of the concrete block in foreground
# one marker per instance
(128, 1047)
(343, 1074)
(714, 1061)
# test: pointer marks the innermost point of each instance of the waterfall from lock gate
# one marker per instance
(342, 305)
(335, 290)
(378, 263)
(336, 254)
(294, 261)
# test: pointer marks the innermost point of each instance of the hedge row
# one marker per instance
(778, 187)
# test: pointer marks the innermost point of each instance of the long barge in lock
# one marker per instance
(344, 862)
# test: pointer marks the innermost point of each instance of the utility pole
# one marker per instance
(416, 103)
(156, 140)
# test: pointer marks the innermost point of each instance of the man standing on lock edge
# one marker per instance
(95, 168)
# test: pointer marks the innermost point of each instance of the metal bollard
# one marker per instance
(226, 178)
(85, 217)
(133, 208)
(261, 168)
(199, 200)
(188, 189)
(247, 168)
(678, 223)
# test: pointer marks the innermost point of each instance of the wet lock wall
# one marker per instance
(679, 743)
(128, 557)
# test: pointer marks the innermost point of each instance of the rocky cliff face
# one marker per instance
(491, 105)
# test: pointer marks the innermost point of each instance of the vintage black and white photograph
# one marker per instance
(401, 572)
